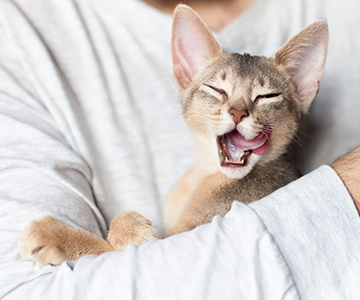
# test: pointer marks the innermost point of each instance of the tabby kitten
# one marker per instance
(243, 112)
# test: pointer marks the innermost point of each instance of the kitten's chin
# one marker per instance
(237, 171)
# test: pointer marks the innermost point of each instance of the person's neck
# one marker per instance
(215, 13)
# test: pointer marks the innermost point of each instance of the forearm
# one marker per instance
(348, 169)
(293, 243)
(211, 262)
(315, 224)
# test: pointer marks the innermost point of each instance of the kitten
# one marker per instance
(242, 110)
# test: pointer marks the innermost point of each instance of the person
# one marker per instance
(91, 127)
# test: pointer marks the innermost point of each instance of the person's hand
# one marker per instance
(348, 168)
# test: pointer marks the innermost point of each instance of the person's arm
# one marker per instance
(315, 224)
(303, 241)
(41, 169)
(348, 168)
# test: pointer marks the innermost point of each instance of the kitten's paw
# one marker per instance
(41, 243)
(130, 228)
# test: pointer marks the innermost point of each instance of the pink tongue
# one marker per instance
(237, 144)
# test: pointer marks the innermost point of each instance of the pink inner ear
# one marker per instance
(309, 69)
(179, 59)
(304, 58)
(192, 52)
(181, 77)
(192, 44)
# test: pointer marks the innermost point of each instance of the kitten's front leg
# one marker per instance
(49, 241)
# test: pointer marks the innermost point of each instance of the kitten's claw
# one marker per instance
(130, 228)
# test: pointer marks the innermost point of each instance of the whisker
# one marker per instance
(293, 137)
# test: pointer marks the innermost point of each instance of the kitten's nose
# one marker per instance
(238, 115)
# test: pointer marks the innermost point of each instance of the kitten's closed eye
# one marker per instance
(220, 91)
(267, 96)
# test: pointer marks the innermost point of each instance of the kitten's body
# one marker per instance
(242, 110)
(233, 101)
(196, 199)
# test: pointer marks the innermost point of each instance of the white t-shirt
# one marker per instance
(91, 127)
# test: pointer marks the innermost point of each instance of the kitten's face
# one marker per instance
(242, 110)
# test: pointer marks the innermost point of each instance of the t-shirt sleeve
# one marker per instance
(316, 226)
(41, 170)
(301, 242)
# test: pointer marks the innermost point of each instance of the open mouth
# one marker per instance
(235, 150)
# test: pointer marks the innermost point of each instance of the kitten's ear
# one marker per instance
(304, 59)
(192, 45)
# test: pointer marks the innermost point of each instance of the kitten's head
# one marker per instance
(244, 110)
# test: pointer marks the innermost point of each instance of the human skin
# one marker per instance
(217, 14)
(348, 169)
